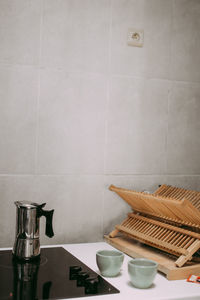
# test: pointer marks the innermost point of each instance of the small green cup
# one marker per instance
(142, 272)
(109, 262)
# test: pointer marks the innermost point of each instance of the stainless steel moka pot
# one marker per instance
(27, 239)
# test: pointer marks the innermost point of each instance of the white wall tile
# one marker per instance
(152, 60)
(84, 126)
(18, 98)
(125, 59)
(184, 127)
(77, 201)
(190, 182)
(75, 35)
(13, 188)
(137, 126)
(186, 40)
(20, 31)
(157, 38)
(71, 125)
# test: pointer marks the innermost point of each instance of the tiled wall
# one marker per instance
(79, 109)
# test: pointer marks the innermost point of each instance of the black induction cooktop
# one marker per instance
(57, 274)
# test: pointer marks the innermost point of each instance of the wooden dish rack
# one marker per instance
(168, 220)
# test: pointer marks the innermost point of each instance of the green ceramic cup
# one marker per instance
(142, 272)
(109, 262)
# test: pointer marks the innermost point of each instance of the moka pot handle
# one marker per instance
(49, 219)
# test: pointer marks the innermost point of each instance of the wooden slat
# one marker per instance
(165, 225)
(174, 240)
(184, 258)
(170, 220)
(179, 194)
(154, 204)
(155, 241)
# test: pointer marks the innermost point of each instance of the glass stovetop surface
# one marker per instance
(46, 278)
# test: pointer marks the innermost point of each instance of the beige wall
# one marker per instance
(79, 109)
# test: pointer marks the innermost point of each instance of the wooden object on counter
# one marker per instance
(165, 261)
(179, 194)
(164, 207)
(158, 218)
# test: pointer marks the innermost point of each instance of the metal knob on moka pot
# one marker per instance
(27, 239)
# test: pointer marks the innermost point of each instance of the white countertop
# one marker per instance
(162, 288)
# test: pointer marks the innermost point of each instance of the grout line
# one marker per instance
(39, 90)
(8, 64)
(85, 73)
(108, 87)
(41, 32)
(167, 126)
(110, 39)
(171, 43)
(153, 78)
(94, 174)
(37, 125)
(170, 88)
(107, 109)
(82, 73)
(150, 174)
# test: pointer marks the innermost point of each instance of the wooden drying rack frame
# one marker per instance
(157, 220)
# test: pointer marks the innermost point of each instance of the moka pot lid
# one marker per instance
(27, 204)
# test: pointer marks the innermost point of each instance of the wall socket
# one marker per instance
(135, 37)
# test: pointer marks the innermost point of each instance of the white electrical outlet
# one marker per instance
(135, 37)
